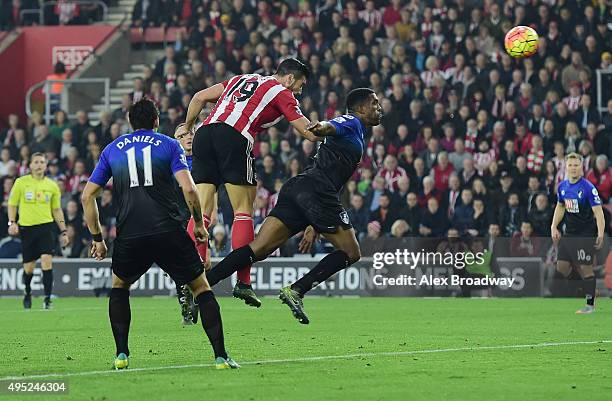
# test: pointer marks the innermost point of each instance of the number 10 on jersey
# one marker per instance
(133, 169)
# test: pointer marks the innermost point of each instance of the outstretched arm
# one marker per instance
(322, 128)
(198, 102)
(301, 125)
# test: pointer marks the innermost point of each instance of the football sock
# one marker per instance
(120, 316)
(211, 321)
(235, 260)
(47, 279)
(243, 234)
(589, 288)
(327, 267)
(27, 281)
(203, 246)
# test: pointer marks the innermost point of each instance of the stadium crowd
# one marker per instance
(471, 139)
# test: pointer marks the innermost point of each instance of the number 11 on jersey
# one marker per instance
(133, 169)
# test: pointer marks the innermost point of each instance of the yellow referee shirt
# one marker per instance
(35, 200)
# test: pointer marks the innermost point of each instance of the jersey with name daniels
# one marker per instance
(142, 165)
(339, 155)
(579, 198)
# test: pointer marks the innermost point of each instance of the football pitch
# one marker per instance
(354, 349)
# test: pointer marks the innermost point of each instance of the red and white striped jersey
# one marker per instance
(251, 103)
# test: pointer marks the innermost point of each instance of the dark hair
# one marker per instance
(142, 114)
(293, 66)
(357, 97)
(59, 68)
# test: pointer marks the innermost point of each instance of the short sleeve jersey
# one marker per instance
(142, 166)
(579, 199)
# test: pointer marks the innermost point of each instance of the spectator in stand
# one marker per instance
(511, 215)
(384, 214)
(6, 163)
(601, 177)
(523, 244)
(540, 216)
(43, 142)
(463, 216)
(358, 214)
(391, 173)
(434, 223)
(80, 128)
(60, 123)
(75, 246)
(219, 245)
(145, 13)
(372, 242)
(442, 172)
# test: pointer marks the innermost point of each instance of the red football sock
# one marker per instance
(201, 247)
(243, 234)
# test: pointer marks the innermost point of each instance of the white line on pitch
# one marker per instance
(312, 359)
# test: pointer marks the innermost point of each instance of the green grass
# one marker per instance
(75, 337)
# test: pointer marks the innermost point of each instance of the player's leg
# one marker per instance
(242, 198)
(210, 315)
(565, 257)
(131, 259)
(46, 262)
(272, 234)
(206, 193)
(120, 316)
(46, 246)
(347, 252)
(588, 278)
(30, 254)
(177, 256)
(205, 172)
(28, 273)
(235, 159)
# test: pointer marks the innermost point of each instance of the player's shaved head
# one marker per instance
(143, 115)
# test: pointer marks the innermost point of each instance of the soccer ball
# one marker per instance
(521, 41)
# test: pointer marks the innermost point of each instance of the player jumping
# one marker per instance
(149, 230)
(311, 200)
(580, 204)
(223, 145)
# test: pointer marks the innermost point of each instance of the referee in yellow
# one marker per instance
(38, 200)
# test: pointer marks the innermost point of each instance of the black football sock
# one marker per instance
(210, 315)
(589, 288)
(120, 317)
(235, 261)
(27, 281)
(327, 267)
(47, 279)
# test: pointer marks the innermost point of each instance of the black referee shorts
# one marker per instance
(304, 201)
(37, 240)
(222, 155)
(173, 251)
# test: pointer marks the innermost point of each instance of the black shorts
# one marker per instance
(305, 201)
(173, 251)
(577, 250)
(37, 240)
(222, 155)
